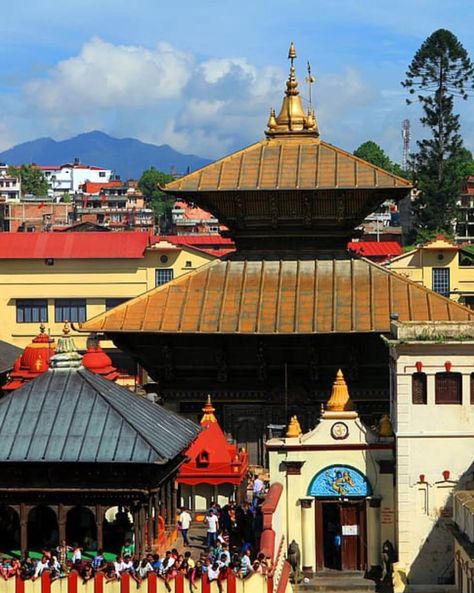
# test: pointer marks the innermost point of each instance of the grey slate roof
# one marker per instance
(8, 354)
(73, 415)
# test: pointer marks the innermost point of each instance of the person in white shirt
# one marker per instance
(41, 566)
(258, 488)
(245, 564)
(212, 529)
(184, 522)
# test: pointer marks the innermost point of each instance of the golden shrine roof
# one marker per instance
(280, 297)
(289, 163)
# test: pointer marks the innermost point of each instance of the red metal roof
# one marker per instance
(93, 245)
(375, 248)
(92, 187)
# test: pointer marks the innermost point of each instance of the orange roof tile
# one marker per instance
(287, 164)
(280, 297)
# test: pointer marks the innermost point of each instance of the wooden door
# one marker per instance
(350, 526)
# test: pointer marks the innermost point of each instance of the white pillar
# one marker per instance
(308, 526)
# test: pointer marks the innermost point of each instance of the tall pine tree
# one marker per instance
(440, 71)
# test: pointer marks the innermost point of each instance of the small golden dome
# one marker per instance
(340, 400)
(385, 426)
(294, 428)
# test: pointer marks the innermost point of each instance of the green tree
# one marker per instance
(149, 184)
(372, 153)
(440, 71)
(32, 179)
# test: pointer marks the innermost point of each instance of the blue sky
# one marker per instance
(201, 75)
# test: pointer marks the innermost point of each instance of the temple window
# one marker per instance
(70, 310)
(418, 388)
(202, 460)
(31, 310)
(448, 388)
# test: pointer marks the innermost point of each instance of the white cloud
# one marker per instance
(104, 75)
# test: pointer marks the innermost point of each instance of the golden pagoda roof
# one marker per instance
(292, 157)
(287, 163)
(280, 297)
(208, 410)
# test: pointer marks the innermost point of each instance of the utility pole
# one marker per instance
(406, 136)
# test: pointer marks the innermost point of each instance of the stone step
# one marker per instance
(339, 582)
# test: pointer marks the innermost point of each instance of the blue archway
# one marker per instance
(339, 481)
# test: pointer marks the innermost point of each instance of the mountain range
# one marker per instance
(127, 157)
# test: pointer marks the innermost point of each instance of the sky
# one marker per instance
(201, 75)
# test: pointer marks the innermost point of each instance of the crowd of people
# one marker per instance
(230, 547)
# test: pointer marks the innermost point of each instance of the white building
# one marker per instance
(10, 186)
(69, 177)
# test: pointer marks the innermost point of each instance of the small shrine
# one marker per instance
(216, 470)
(339, 482)
(36, 359)
(33, 361)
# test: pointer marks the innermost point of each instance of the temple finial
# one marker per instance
(292, 53)
(208, 410)
(340, 400)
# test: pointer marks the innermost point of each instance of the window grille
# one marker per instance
(441, 281)
(70, 310)
(418, 388)
(163, 275)
(448, 388)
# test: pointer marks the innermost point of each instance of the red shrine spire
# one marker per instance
(213, 460)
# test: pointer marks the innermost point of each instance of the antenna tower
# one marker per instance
(406, 136)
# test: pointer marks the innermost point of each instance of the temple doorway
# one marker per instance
(81, 528)
(43, 529)
(341, 535)
(9, 529)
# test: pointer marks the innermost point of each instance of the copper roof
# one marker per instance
(280, 297)
(302, 163)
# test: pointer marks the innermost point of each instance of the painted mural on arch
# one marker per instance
(340, 481)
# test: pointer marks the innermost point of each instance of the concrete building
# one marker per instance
(69, 177)
(57, 277)
(440, 265)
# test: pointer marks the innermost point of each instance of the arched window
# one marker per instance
(202, 460)
(448, 388)
(418, 388)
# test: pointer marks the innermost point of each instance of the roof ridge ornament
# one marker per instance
(292, 118)
(67, 356)
(208, 410)
(340, 404)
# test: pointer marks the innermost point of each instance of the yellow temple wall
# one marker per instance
(93, 279)
(299, 522)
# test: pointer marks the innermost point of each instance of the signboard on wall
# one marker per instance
(350, 530)
(340, 481)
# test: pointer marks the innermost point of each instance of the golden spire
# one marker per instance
(294, 428)
(385, 426)
(340, 400)
(292, 118)
(208, 410)
(66, 328)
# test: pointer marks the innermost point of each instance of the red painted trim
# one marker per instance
(45, 583)
(267, 543)
(19, 585)
(284, 577)
(231, 584)
(354, 447)
(152, 582)
(98, 583)
(270, 504)
(72, 579)
(205, 584)
(124, 583)
(179, 584)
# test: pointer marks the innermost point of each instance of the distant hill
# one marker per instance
(126, 156)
